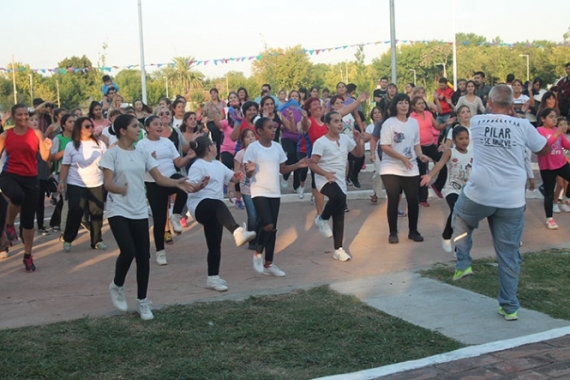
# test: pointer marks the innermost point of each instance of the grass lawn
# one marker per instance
(300, 335)
(543, 282)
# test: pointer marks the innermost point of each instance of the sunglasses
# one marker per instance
(164, 114)
(88, 126)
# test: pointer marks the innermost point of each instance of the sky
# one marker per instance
(45, 32)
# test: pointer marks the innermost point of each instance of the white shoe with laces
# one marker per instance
(161, 257)
(341, 255)
(555, 208)
(143, 308)
(551, 224)
(242, 235)
(258, 262)
(446, 245)
(272, 270)
(118, 296)
(301, 192)
(175, 222)
(323, 226)
(216, 283)
(284, 183)
(564, 207)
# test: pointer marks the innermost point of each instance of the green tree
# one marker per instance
(182, 78)
(129, 82)
(79, 84)
(288, 69)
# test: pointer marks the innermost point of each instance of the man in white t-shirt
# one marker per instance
(496, 191)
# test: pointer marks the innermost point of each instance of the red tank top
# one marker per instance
(21, 153)
(316, 131)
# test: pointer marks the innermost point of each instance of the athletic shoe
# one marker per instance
(446, 244)
(143, 308)
(161, 257)
(242, 235)
(216, 283)
(346, 209)
(356, 183)
(56, 228)
(564, 207)
(393, 239)
(258, 262)
(348, 182)
(11, 234)
(312, 200)
(239, 204)
(424, 204)
(42, 231)
(415, 236)
(555, 208)
(168, 238)
(436, 191)
(551, 224)
(4, 253)
(541, 189)
(184, 222)
(363, 166)
(284, 183)
(508, 317)
(29, 263)
(272, 270)
(459, 274)
(175, 222)
(100, 246)
(401, 213)
(341, 255)
(301, 192)
(66, 246)
(323, 226)
(118, 296)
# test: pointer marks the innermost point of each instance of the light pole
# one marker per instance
(393, 40)
(31, 88)
(444, 68)
(527, 65)
(454, 46)
(415, 79)
(141, 42)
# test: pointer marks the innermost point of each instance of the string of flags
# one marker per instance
(258, 57)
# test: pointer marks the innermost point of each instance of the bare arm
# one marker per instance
(45, 145)
(436, 169)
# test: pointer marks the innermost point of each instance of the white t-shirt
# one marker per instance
(402, 137)
(244, 183)
(348, 126)
(112, 138)
(519, 103)
(176, 123)
(128, 166)
(370, 130)
(265, 179)
(219, 176)
(458, 170)
(165, 153)
(84, 163)
(333, 159)
(498, 178)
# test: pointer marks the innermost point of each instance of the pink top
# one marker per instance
(227, 144)
(99, 125)
(426, 127)
(555, 158)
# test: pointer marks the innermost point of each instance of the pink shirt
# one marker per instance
(555, 158)
(426, 127)
(227, 144)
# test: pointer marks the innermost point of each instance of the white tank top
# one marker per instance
(458, 170)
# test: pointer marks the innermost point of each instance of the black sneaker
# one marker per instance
(356, 183)
(348, 182)
(43, 231)
(393, 238)
(541, 189)
(415, 236)
(29, 263)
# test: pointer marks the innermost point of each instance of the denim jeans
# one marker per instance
(506, 225)
(252, 218)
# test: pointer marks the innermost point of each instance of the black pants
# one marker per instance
(217, 136)
(134, 243)
(394, 185)
(3, 213)
(21, 191)
(228, 161)
(158, 200)
(78, 197)
(431, 152)
(549, 181)
(56, 216)
(303, 171)
(40, 207)
(290, 148)
(354, 166)
(335, 208)
(448, 230)
(214, 215)
(268, 212)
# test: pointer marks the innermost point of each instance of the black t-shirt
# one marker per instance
(278, 123)
(379, 93)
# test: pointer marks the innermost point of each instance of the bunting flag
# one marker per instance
(260, 56)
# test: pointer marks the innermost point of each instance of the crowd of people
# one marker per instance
(119, 158)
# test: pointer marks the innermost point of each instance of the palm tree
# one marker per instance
(182, 77)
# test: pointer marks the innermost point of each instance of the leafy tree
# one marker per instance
(182, 78)
(129, 82)
(78, 82)
(288, 69)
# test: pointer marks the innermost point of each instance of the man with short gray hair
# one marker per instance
(496, 191)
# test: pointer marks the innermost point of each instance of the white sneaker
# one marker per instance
(118, 296)
(551, 224)
(555, 208)
(564, 207)
(242, 235)
(323, 226)
(272, 270)
(216, 283)
(258, 262)
(301, 192)
(161, 257)
(143, 308)
(175, 222)
(341, 255)
(446, 244)
(284, 183)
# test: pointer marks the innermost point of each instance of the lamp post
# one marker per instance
(141, 43)
(393, 40)
(527, 65)
(415, 79)
(31, 88)
(444, 68)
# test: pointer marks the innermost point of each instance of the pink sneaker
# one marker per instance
(551, 224)
(184, 222)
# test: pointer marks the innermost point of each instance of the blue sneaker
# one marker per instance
(239, 204)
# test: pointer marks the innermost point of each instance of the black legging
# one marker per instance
(335, 208)
(549, 181)
(268, 212)
(394, 185)
(21, 191)
(134, 243)
(158, 200)
(303, 171)
(431, 152)
(78, 197)
(228, 161)
(448, 230)
(40, 207)
(217, 136)
(354, 166)
(290, 148)
(3, 213)
(213, 214)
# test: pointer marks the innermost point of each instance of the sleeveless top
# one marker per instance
(63, 141)
(458, 170)
(21, 153)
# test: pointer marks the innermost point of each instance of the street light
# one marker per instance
(527, 65)
(141, 43)
(415, 79)
(444, 68)
(31, 88)
(393, 41)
